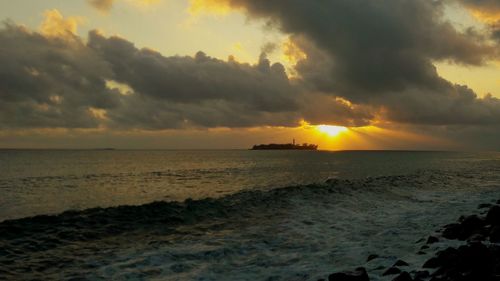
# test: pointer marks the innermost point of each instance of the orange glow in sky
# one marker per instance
(330, 130)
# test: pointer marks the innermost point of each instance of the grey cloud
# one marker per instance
(488, 8)
(455, 105)
(48, 82)
(61, 82)
(263, 87)
(377, 54)
(381, 53)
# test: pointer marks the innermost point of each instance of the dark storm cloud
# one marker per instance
(378, 55)
(175, 92)
(61, 82)
(381, 53)
(49, 82)
(262, 87)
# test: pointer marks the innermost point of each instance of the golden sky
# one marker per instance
(378, 82)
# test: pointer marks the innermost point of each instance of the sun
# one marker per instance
(330, 130)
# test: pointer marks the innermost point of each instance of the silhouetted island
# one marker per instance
(285, 146)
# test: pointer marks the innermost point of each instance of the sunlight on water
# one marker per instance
(373, 202)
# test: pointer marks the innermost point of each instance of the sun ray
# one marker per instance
(331, 130)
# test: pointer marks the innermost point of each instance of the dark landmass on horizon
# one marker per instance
(285, 146)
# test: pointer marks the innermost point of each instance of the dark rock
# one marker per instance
(420, 253)
(495, 234)
(358, 275)
(447, 256)
(424, 247)
(423, 274)
(432, 263)
(470, 226)
(493, 216)
(476, 238)
(372, 257)
(484, 206)
(473, 261)
(392, 271)
(475, 256)
(404, 276)
(432, 240)
(452, 231)
(401, 263)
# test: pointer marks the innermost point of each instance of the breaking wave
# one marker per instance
(298, 232)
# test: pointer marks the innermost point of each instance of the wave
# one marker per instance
(81, 225)
(329, 218)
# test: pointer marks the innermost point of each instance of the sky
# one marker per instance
(203, 74)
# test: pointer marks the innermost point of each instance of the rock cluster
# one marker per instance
(477, 260)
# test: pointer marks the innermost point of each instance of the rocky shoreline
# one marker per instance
(476, 259)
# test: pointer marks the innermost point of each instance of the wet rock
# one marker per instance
(452, 231)
(431, 263)
(495, 234)
(421, 253)
(484, 206)
(432, 240)
(400, 263)
(493, 216)
(470, 226)
(358, 275)
(424, 247)
(473, 261)
(404, 276)
(447, 256)
(391, 271)
(423, 274)
(476, 238)
(372, 257)
(475, 256)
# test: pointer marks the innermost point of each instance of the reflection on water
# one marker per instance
(301, 232)
(47, 181)
(51, 181)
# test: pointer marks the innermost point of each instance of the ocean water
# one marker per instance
(229, 215)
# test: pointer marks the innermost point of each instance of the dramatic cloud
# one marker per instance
(356, 62)
(49, 81)
(381, 53)
(488, 10)
(62, 81)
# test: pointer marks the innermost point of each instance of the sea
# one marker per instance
(230, 214)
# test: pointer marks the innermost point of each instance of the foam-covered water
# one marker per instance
(376, 203)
